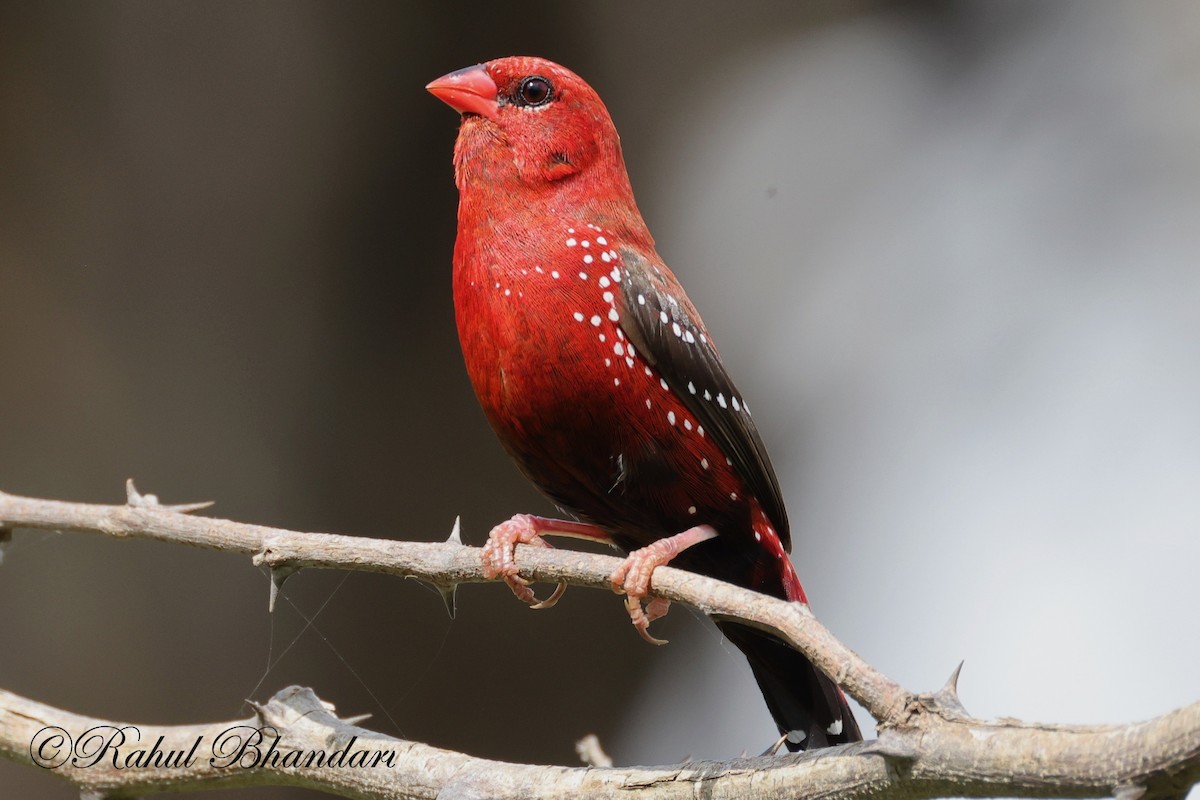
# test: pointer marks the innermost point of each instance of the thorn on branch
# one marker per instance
(1129, 791)
(449, 592)
(591, 753)
(135, 499)
(947, 696)
(278, 576)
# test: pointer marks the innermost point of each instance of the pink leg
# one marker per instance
(632, 578)
(499, 554)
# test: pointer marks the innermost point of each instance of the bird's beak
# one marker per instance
(468, 91)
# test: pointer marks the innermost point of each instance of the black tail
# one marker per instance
(807, 706)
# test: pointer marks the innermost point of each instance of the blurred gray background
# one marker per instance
(949, 249)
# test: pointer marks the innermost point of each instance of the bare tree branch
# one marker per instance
(928, 746)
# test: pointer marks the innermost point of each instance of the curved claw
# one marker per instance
(553, 599)
(641, 620)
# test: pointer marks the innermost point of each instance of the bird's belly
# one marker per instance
(585, 416)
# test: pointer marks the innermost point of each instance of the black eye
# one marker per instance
(534, 91)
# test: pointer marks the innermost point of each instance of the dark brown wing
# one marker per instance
(663, 324)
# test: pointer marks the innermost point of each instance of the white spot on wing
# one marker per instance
(578, 316)
(596, 320)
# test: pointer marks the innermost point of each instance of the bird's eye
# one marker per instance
(534, 91)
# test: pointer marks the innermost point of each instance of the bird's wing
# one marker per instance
(665, 327)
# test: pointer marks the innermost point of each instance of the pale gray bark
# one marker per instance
(928, 747)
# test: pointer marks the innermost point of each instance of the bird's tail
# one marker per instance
(808, 707)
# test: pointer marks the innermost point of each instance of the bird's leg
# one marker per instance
(499, 554)
(632, 578)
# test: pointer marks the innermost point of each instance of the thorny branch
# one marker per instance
(928, 746)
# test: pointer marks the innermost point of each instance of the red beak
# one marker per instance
(467, 91)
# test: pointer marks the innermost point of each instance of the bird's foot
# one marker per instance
(499, 557)
(632, 578)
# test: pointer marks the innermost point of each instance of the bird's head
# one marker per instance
(530, 123)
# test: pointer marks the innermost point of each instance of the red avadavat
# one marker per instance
(598, 375)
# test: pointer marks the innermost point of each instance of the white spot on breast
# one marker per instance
(700, 430)
(687, 423)
(608, 297)
(721, 400)
(619, 349)
(757, 536)
(571, 242)
(704, 463)
(704, 338)
(662, 315)
(603, 338)
(727, 461)
(608, 362)
(691, 386)
(585, 243)
(675, 329)
(733, 495)
(554, 274)
(796, 737)
(613, 315)
(690, 338)
(538, 270)
(616, 381)
(641, 299)
(604, 282)
(834, 728)
(583, 276)
(736, 405)
(620, 333)
(648, 402)
(663, 382)
(570, 230)
(605, 257)
(587, 259)
(707, 396)
(691, 509)
(671, 417)
(508, 292)
(648, 372)
(629, 363)
(578, 315)
(616, 273)
(596, 320)
(600, 240)
(497, 284)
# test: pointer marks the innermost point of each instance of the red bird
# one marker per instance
(597, 373)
